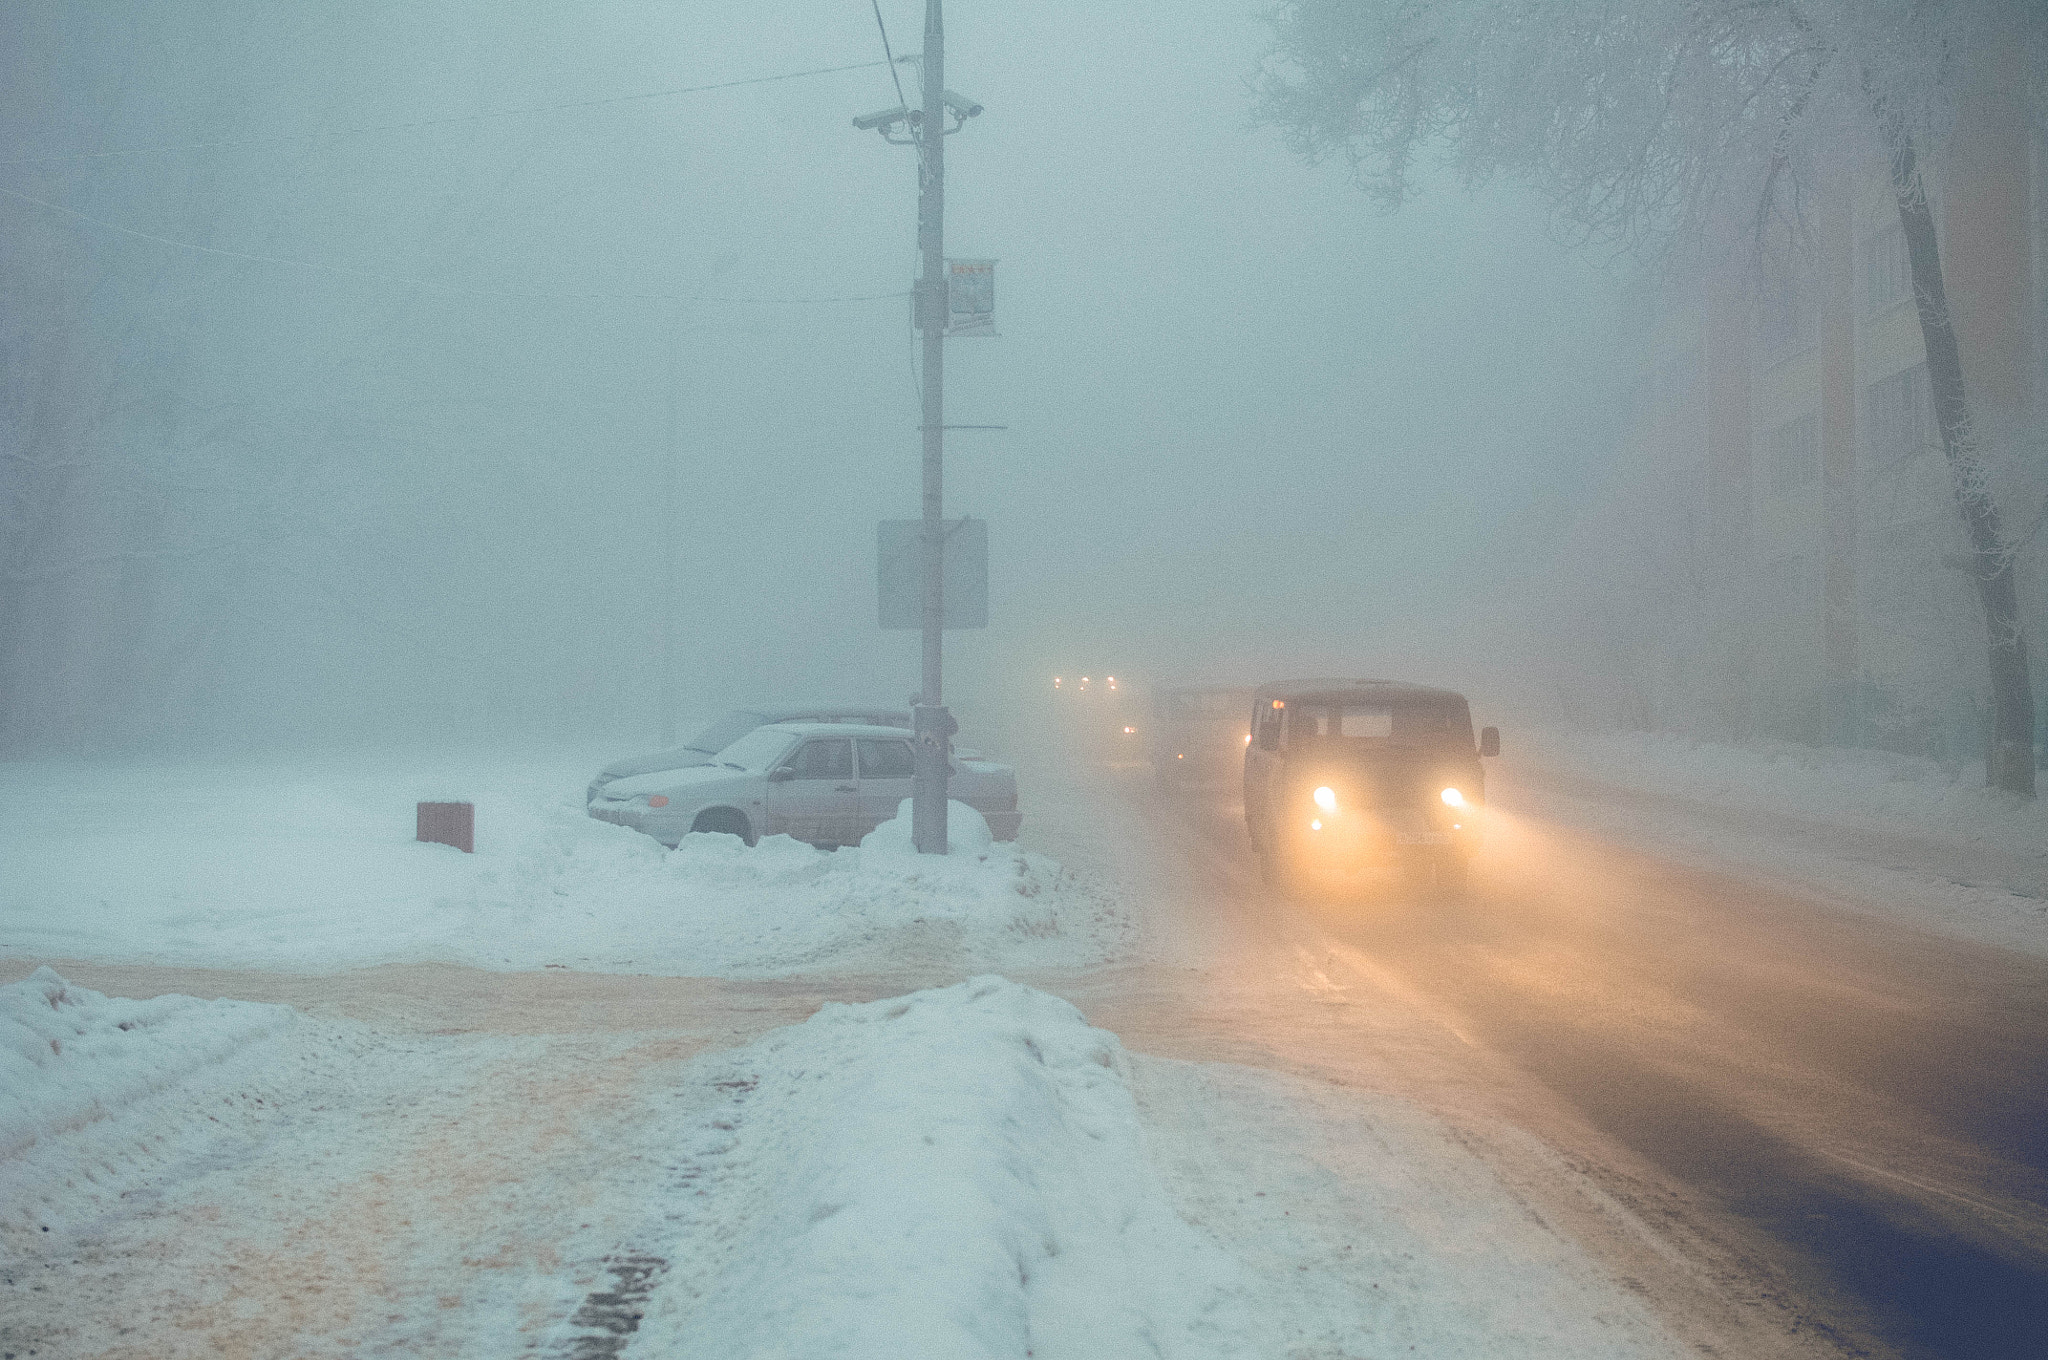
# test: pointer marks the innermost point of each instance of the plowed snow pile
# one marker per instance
(69, 1056)
(314, 868)
(956, 1173)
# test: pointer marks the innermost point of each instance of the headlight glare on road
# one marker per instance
(1452, 798)
(1326, 798)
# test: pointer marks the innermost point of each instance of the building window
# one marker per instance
(1887, 273)
(1898, 417)
(1793, 450)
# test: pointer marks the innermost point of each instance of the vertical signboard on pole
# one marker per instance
(970, 297)
(899, 583)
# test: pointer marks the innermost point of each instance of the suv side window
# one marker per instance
(827, 758)
(1266, 727)
(884, 759)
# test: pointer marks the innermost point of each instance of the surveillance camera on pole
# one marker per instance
(868, 122)
(931, 724)
(887, 121)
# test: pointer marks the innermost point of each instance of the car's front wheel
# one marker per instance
(725, 822)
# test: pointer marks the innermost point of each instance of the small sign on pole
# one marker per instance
(970, 298)
(899, 573)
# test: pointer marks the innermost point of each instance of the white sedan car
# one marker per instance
(826, 783)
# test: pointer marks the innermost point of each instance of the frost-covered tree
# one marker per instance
(1660, 126)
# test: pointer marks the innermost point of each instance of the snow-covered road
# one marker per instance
(970, 1171)
(495, 1106)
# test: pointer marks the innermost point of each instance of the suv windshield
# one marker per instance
(1377, 724)
(757, 751)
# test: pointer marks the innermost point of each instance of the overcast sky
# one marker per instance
(1256, 424)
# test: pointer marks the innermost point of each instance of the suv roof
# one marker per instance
(1385, 691)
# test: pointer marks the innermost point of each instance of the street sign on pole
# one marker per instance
(899, 573)
(970, 297)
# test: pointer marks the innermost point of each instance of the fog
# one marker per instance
(335, 431)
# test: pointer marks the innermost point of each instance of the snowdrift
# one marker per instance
(956, 1173)
(69, 1056)
(313, 868)
(1879, 790)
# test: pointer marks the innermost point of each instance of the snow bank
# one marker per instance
(956, 1173)
(69, 1056)
(1876, 789)
(967, 832)
(313, 867)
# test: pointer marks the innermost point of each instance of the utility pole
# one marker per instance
(929, 720)
(931, 725)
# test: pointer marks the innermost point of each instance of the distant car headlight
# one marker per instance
(1452, 798)
(1326, 798)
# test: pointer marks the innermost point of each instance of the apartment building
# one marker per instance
(1809, 508)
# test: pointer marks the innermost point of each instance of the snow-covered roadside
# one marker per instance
(955, 1173)
(1877, 833)
(322, 1191)
(69, 1056)
(958, 1172)
(1871, 789)
(312, 867)
(1370, 1228)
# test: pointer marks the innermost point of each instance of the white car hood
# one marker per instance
(674, 782)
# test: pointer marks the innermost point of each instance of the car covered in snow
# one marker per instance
(702, 748)
(1342, 776)
(825, 783)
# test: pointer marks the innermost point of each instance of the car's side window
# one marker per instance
(828, 758)
(884, 759)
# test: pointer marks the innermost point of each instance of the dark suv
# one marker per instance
(1346, 775)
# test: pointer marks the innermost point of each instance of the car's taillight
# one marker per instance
(658, 800)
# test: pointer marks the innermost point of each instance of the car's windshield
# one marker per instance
(726, 731)
(757, 751)
(1378, 724)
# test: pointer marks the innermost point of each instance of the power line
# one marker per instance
(448, 121)
(889, 56)
(429, 285)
